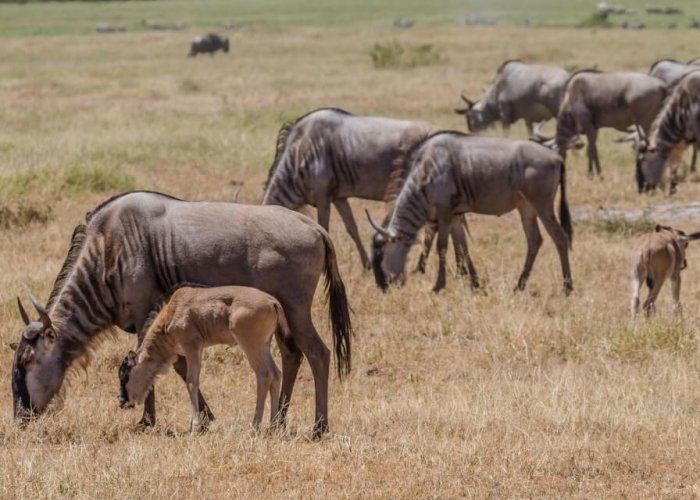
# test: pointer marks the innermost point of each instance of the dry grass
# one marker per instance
(457, 395)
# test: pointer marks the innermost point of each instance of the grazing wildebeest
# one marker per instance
(520, 91)
(676, 126)
(657, 256)
(593, 100)
(330, 155)
(452, 173)
(137, 246)
(194, 318)
(208, 44)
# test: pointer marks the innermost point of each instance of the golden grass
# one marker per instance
(458, 395)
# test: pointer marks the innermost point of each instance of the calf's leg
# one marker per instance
(194, 366)
(556, 232)
(636, 286)
(676, 291)
(180, 366)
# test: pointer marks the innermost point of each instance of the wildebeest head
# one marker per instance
(224, 43)
(124, 371)
(478, 114)
(650, 165)
(389, 254)
(37, 374)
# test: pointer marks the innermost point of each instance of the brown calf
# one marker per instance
(657, 256)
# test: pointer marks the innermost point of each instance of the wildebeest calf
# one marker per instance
(195, 318)
(208, 44)
(657, 256)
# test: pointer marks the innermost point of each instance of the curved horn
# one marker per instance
(469, 102)
(43, 315)
(377, 227)
(23, 313)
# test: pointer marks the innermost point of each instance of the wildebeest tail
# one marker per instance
(339, 310)
(564, 214)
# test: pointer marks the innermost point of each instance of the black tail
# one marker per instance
(339, 310)
(564, 215)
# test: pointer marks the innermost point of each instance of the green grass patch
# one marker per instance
(595, 20)
(623, 226)
(24, 215)
(395, 55)
(96, 180)
(638, 340)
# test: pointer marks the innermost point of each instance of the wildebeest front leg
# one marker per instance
(528, 216)
(442, 240)
(464, 262)
(343, 208)
(428, 237)
(180, 366)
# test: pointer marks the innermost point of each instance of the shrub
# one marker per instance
(96, 179)
(394, 55)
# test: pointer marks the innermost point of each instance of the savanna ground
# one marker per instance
(457, 395)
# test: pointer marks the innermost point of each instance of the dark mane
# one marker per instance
(506, 63)
(283, 135)
(578, 72)
(162, 300)
(90, 215)
(403, 164)
(76, 244)
(659, 61)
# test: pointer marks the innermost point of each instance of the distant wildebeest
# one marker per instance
(657, 256)
(330, 155)
(208, 44)
(594, 100)
(519, 91)
(137, 246)
(652, 9)
(194, 318)
(676, 126)
(452, 173)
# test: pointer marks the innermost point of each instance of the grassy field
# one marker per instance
(458, 395)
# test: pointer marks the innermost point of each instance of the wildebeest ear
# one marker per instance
(13, 345)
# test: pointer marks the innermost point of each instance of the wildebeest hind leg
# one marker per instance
(444, 222)
(319, 358)
(464, 261)
(528, 216)
(556, 232)
(180, 366)
(291, 361)
(343, 208)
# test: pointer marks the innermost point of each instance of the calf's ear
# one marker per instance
(13, 345)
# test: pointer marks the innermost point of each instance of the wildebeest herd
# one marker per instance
(183, 275)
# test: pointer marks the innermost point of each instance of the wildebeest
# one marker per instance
(452, 173)
(657, 256)
(194, 318)
(330, 155)
(593, 100)
(208, 44)
(676, 126)
(519, 91)
(672, 72)
(137, 246)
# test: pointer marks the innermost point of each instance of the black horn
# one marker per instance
(469, 102)
(377, 227)
(43, 315)
(22, 312)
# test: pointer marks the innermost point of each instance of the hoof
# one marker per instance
(319, 430)
(568, 288)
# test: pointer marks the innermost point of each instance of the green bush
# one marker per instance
(595, 21)
(24, 215)
(394, 55)
(96, 180)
